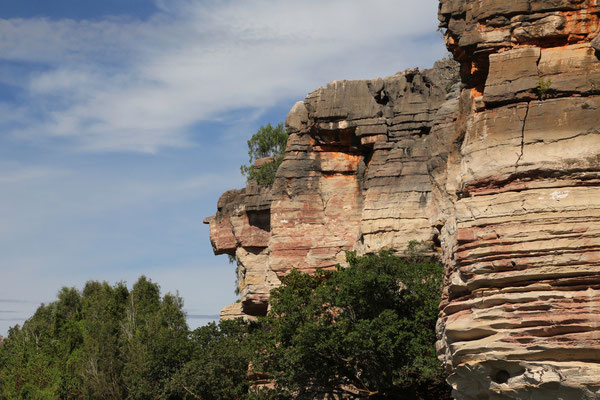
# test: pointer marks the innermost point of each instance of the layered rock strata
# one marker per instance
(242, 229)
(502, 177)
(354, 177)
(521, 314)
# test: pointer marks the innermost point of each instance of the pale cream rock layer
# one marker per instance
(521, 310)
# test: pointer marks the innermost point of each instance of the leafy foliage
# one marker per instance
(542, 87)
(107, 342)
(367, 330)
(219, 362)
(268, 141)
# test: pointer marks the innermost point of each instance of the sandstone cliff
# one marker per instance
(354, 177)
(500, 174)
(520, 317)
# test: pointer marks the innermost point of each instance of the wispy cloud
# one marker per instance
(140, 85)
(188, 85)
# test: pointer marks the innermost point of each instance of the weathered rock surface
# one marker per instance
(355, 177)
(241, 228)
(521, 310)
(357, 150)
(234, 311)
(500, 174)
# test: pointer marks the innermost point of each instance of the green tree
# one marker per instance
(26, 369)
(104, 342)
(365, 331)
(156, 342)
(268, 141)
(100, 362)
(218, 370)
(542, 87)
(36, 360)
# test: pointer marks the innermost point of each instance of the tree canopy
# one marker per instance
(268, 141)
(108, 342)
(365, 331)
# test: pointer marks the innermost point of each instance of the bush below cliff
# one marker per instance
(363, 331)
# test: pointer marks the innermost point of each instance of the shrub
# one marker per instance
(542, 87)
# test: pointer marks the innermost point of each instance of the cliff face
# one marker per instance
(500, 174)
(522, 308)
(242, 229)
(355, 177)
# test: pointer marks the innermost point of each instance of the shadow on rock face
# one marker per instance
(596, 45)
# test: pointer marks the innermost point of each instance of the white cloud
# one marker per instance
(126, 84)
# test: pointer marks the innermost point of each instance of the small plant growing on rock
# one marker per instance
(542, 86)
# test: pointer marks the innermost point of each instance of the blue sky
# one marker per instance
(122, 121)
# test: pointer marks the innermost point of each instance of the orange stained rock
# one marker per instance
(476, 92)
(581, 23)
(465, 235)
(338, 162)
(222, 237)
(474, 68)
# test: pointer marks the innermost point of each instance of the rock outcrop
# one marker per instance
(499, 173)
(354, 177)
(521, 314)
(242, 229)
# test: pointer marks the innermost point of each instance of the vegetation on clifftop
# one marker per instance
(365, 331)
(268, 141)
